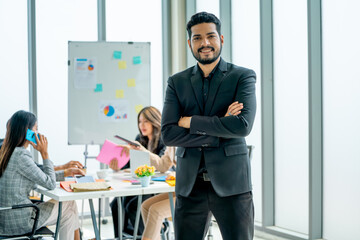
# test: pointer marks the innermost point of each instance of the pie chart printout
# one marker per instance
(109, 110)
(91, 67)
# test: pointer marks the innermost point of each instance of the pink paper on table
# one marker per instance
(110, 151)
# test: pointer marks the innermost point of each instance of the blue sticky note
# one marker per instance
(98, 87)
(137, 60)
(117, 54)
(161, 179)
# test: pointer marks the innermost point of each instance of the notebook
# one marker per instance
(138, 158)
(111, 150)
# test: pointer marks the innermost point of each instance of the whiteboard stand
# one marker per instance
(106, 202)
(86, 153)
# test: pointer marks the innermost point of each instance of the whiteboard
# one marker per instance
(108, 84)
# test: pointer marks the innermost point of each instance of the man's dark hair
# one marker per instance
(203, 17)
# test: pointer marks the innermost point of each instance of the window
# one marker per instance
(291, 115)
(341, 128)
(58, 22)
(246, 53)
(127, 21)
(14, 83)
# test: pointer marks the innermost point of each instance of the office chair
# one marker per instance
(165, 230)
(34, 234)
(210, 236)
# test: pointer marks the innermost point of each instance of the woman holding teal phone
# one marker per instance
(30, 135)
(19, 175)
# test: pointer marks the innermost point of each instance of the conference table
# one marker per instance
(120, 188)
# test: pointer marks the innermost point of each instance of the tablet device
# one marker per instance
(84, 179)
(128, 141)
(30, 135)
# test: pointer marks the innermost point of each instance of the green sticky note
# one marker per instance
(117, 54)
(98, 87)
(137, 60)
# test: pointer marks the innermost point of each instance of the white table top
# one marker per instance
(119, 189)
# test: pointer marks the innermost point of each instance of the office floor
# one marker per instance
(107, 232)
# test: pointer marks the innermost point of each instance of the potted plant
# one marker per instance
(144, 173)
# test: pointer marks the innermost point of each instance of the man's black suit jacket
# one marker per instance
(221, 139)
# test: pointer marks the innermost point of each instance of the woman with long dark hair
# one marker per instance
(162, 158)
(19, 175)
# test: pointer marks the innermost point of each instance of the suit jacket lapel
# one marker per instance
(214, 85)
(196, 81)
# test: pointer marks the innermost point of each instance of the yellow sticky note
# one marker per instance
(138, 108)
(122, 64)
(119, 93)
(131, 82)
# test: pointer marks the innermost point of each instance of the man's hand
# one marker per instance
(234, 109)
(73, 171)
(71, 164)
(184, 122)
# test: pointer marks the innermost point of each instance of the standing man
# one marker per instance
(209, 109)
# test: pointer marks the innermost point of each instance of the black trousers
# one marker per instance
(130, 207)
(234, 214)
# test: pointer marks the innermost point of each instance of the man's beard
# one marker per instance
(206, 61)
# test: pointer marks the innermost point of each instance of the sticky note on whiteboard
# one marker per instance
(131, 82)
(122, 64)
(137, 60)
(119, 93)
(117, 54)
(138, 108)
(98, 88)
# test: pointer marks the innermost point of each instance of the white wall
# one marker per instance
(246, 53)
(341, 88)
(291, 115)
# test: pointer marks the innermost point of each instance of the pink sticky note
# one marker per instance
(110, 151)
